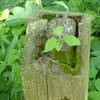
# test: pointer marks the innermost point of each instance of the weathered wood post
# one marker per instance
(45, 79)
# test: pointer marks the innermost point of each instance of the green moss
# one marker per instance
(69, 60)
(68, 69)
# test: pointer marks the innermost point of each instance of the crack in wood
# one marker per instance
(65, 98)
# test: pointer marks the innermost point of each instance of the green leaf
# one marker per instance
(61, 3)
(10, 75)
(74, 3)
(3, 48)
(14, 22)
(5, 40)
(4, 96)
(94, 95)
(91, 85)
(95, 62)
(21, 15)
(10, 3)
(96, 53)
(18, 17)
(47, 2)
(0, 52)
(15, 54)
(50, 44)
(2, 68)
(21, 41)
(11, 46)
(16, 71)
(18, 30)
(58, 30)
(30, 6)
(59, 46)
(18, 11)
(92, 72)
(2, 83)
(95, 44)
(97, 84)
(55, 8)
(5, 14)
(71, 40)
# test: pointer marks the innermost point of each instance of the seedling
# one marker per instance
(58, 43)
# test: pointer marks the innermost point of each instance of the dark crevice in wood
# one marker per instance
(47, 85)
(65, 98)
(77, 18)
(77, 30)
(75, 47)
(49, 17)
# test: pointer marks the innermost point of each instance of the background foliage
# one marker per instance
(10, 3)
(12, 37)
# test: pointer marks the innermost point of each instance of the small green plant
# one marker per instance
(58, 43)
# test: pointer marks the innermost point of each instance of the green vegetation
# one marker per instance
(69, 61)
(13, 22)
(58, 43)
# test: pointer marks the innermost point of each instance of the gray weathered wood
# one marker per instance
(45, 81)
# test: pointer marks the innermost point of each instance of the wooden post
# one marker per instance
(44, 81)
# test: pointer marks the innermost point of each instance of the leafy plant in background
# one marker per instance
(20, 15)
(10, 3)
(57, 43)
(94, 82)
(12, 37)
(11, 44)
